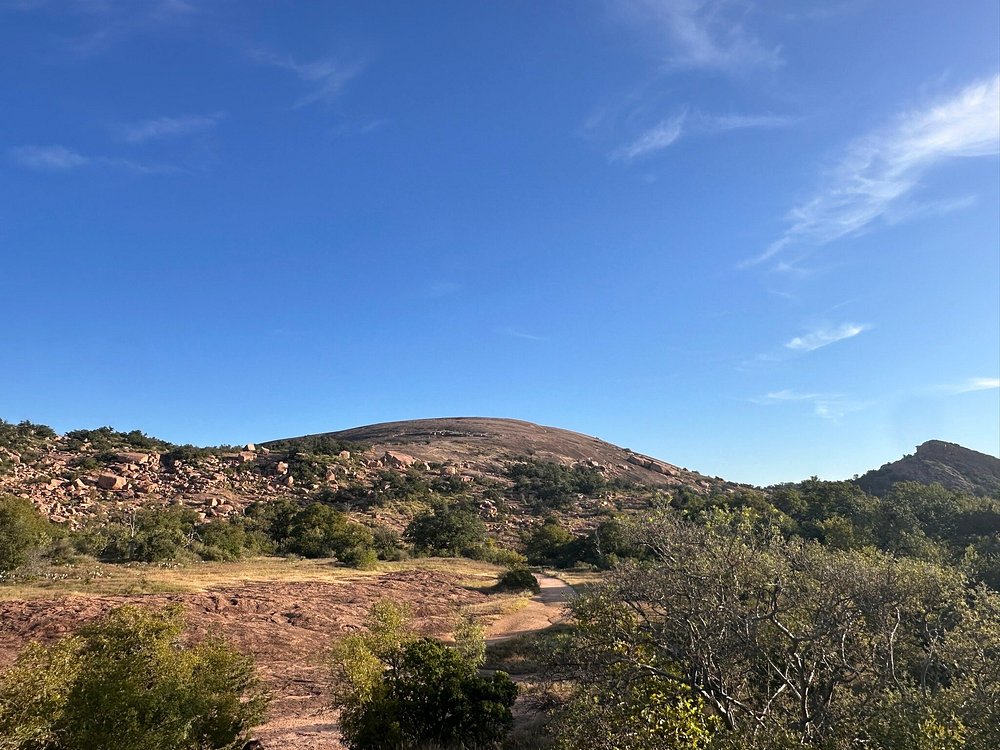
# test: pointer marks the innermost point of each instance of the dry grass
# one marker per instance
(498, 605)
(580, 580)
(92, 578)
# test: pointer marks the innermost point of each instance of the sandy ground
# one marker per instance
(547, 608)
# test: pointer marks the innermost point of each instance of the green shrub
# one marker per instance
(518, 579)
(548, 543)
(320, 531)
(387, 543)
(108, 439)
(321, 445)
(222, 540)
(152, 535)
(447, 530)
(314, 530)
(24, 435)
(125, 683)
(23, 530)
(502, 556)
(398, 690)
(552, 485)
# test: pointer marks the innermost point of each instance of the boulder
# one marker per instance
(398, 460)
(110, 482)
(282, 467)
(130, 457)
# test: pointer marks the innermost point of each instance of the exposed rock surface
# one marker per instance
(479, 443)
(948, 464)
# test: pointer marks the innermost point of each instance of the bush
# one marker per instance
(314, 530)
(387, 543)
(124, 682)
(108, 438)
(553, 485)
(152, 535)
(222, 540)
(447, 530)
(548, 543)
(518, 579)
(320, 531)
(23, 530)
(400, 690)
(508, 558)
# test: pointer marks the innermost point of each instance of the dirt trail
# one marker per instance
(546, 608)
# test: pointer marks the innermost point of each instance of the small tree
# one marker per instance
(398, 690)
(447, 530)
(22, 530)
(125, 682)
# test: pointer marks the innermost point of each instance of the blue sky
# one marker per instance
(760, 240)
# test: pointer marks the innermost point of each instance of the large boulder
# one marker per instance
(398, 460)
(111, 482)
(134, 457)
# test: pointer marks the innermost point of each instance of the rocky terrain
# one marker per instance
(947, 464)
(479, 446)
(86, 475)
(90, 475)
(287, 626)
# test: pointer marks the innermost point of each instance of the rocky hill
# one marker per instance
(383, 473)
(947, 464)
(480, 446)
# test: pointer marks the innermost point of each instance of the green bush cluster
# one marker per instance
(320, 445)
(447, 530)
(516, 580)
(551, 485)
(109, 439)
(23, 435)
(398, 690)
(23, 532)
(24, 439)
(730, 638)
(550, 543)
(125, 682)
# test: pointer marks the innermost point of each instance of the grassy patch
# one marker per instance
(94, 578)
(524, 654)
(580, 580)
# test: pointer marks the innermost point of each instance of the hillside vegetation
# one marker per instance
(716, 616)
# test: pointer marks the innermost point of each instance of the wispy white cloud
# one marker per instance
(787, 394)
(880, 171)
(655, 139)
(514, 333)
(970, 385)
(830, 406)
(101, 23)
(706, 34)
(48, 158)
(62, 159)
(324, 78)
(821, 337)
(168, 127)
(670, 130)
